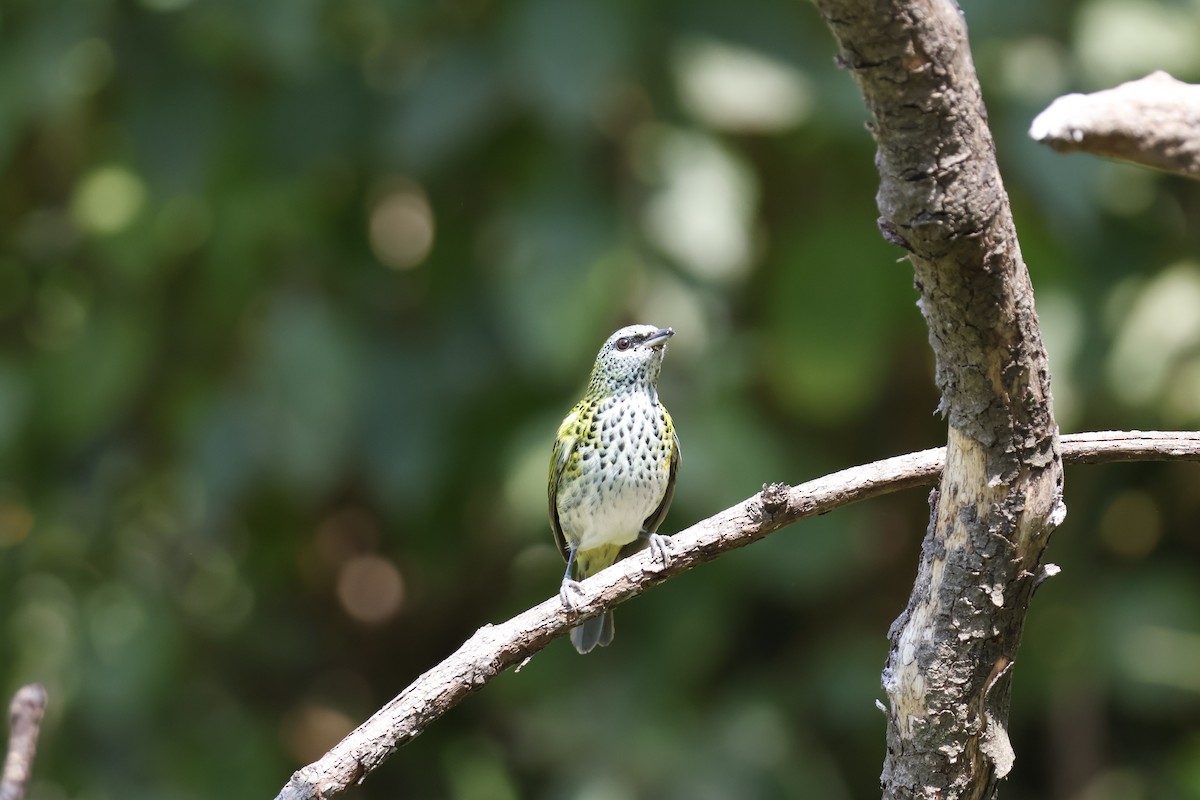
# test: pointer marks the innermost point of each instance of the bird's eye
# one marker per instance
(623, 343)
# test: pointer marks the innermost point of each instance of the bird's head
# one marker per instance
(631, 358)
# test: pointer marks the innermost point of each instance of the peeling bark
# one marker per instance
(942, 199)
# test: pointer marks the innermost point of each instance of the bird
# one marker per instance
(612, 469)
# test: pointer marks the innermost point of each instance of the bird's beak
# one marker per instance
(658, 339)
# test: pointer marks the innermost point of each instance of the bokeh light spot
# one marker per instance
(340, 536)
(310, 731)
(402, 227)
(1034, 69)
(1063, 329)
(370, 588)
(524, 495)
(671, 298)
(108, 200)
(737, 89)
(608, 787)
(1118, 40)
(43, 625)
(1161, 326)
(1182, 401)
(16, 521)
(1162, 655)
(703, 211)
(346, 532)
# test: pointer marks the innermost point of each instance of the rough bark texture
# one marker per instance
(941, 198)
(495, 648)
(24, 723)
(1154, 121)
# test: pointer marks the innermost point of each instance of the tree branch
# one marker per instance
(24, 723)
(495, 648)
(1154, 121)
(941, 197)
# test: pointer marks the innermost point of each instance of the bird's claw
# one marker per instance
(660, 547)
(570, 593)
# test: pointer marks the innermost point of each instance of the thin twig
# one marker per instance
(24, 723)
(495, 648)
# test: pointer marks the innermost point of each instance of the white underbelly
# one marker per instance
(622, 477)
(608, 512)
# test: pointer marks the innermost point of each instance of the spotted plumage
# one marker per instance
(613, 467)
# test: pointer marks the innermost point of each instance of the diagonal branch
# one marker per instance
(1153, 121)
(24, 723)
(495, 648)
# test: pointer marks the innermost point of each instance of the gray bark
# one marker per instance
(941, 198)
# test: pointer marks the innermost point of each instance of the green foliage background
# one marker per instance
(267, 451)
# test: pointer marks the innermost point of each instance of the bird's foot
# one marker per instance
(660, 547)
(570, 593)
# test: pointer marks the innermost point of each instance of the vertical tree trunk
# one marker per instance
(941, 198)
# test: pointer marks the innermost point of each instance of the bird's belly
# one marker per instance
(621, 478)
(606, 509)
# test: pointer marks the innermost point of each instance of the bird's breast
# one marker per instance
(623, 469)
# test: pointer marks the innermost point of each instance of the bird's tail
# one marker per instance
(596, 632)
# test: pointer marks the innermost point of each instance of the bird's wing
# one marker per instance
(560, 457)
(656, 517)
